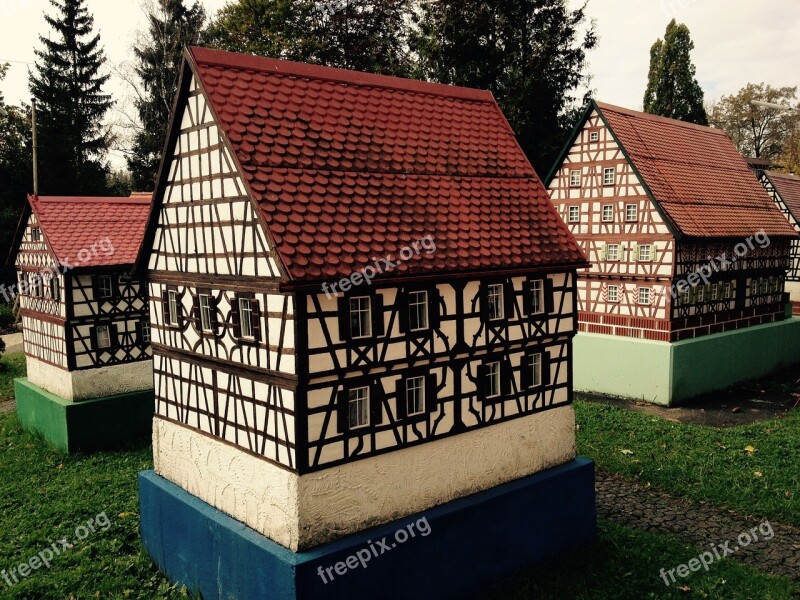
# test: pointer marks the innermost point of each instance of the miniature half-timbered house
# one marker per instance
(362, 301)
(683, 242)
(84, 316)
(785, 191)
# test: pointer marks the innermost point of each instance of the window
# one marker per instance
(609, 176)
(701, 296)
(575, 179)
(644, 296)
(715, 289)
(645, 253)
(173, 308)
(764, 285)
(245, 317)
(774, 284)
(631, 212)
(574, 214)
(145, 329)
(493, 380)
(685, 297)
(36, 234)
(415, 395)
(537, 297)
(613, 293)
(728, 290)
(494, 298)
(205, 312)
(55, 288)
(103, 336)
(536, 369)
(608, 213)
(594, 136)
(104, 286)
(358, 407)
(418, 311)
(612, 252)
(37, 285)
(360, 317)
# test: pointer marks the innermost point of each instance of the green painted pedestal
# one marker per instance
(85, 425)
(670, 372)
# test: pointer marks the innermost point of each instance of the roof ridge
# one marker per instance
(779, 175)
(666, 120)
(277, 66)
(92, 199)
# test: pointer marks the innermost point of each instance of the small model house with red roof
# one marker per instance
(362, 307)
(684, 245)
(84, 316)
(785, 191)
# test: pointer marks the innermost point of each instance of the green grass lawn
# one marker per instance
(11, 367)
(752, 469)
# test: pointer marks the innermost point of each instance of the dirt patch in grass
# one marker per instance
(743, 404)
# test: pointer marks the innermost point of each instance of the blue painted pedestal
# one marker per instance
(455, 549)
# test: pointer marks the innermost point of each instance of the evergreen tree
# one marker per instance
(672, 89)
(171, 27)
(529, 53)
(362, 35)
(68, 87)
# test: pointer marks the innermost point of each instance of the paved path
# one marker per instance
(13, 342)
(698, 523)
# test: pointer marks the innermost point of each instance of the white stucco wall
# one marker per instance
(302, 512)
(91, 383)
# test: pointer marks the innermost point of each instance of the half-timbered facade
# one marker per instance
(784, 189)
(681, 241)
(362, 302)
(84, 315)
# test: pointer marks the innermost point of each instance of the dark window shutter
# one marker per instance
(525, 380)
(509, 299)
(344, 318)
(113, 335)
(481, 383)
(434, 308)
(341, 411)
(93, 338)
(377, 315)
(545, 368)
(256, 308)
(235, 321)
(179, 300)
(430, 392)
(165, 306)
(114, 285)
(402, 404)
(376, 403)
(506, 375)
(527, 297)
(139, 339)
(212, 307)
(196, 313)
(96, 287)
(403, 316)
(484, 307)
(548, 295)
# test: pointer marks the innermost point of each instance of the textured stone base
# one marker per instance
(87, 425)
(85, 384)
(456, 549)
(670, 372)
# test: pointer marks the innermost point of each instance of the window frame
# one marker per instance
(420, 389)
(206, 317)
(617, 254)
(173, 316)
(613, 172)
(572, 178)
(107, 329)
(615, 287)
(537, 377)
(360, 311)
(649, 248)
(36, 234)
(145, 331)
(55, 288)
(412, 301)
(101, 289)
(574, 217)
(610, 218)
(246, 308)
(594, 136)
(649, 294)
(501, 304)
(366, 408)
(628, 218)
(493, 378)
(537, 291)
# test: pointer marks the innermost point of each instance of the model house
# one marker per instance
(683, 242)
(362, 301)
(785, 191)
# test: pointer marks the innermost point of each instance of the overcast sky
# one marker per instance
(737, 41)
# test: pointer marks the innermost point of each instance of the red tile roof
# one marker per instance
(788, 187)
(696, 175)
(348, 167)
(71, 225)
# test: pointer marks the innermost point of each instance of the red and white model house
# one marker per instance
(683, 241)
(785, 191)
(84, 316)
(310, 415)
